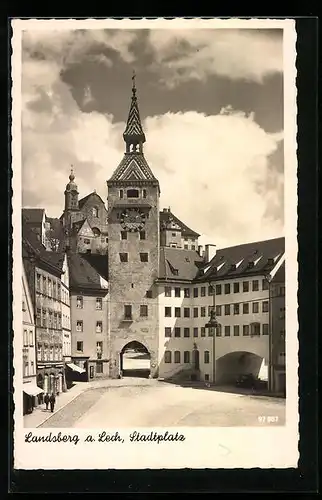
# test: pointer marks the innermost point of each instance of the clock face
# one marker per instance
(133, 219)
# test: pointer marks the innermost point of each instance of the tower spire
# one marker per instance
(133, 135)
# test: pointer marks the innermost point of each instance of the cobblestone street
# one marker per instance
(142, 402)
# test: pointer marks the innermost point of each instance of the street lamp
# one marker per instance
(212, 326)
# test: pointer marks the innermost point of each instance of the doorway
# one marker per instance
(135, 360)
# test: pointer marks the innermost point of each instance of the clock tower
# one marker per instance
(133, 249)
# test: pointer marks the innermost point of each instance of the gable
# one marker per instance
(133, 167)
(85, 229)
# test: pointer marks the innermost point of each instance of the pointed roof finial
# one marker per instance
(72, 176)
(133, 82)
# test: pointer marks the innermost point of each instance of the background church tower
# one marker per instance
(134, 248)
(71, 211)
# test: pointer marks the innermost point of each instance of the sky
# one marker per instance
(211, 104)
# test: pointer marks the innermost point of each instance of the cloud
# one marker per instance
(214, 171)
(182, 55)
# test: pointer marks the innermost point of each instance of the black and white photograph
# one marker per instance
(155, 243)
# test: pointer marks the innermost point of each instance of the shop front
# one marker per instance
(51, 379)
(31, 394)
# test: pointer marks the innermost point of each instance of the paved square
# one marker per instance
(152, 403)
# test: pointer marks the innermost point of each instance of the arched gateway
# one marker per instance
(135, 360)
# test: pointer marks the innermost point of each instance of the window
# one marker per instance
(167, 291)
(44, 285)
(79, 302)
(186, 357)
(38, 283)
(236, 287)
(195, 312)
(202, 312)
(186, 332)
(49, 288)
(144, 193)
(174, 234)
(218, 289)
(227, 288)
(177, 356)
(218, 310)
(255, 329)
(144, 257)
(282, 313)
(144, 311)
(79, 326)
(185, 247)
(227, 309)
(255, 307)
(186, 312)
(99, 367)
(195, 292)
(31, 338)
(79, 346)
(167, 331)
(246, 308)
(132, 193)
(211, 332)
(218, 331)
(203, 291)
(236, 308)
(123, 235)
(121, 193)
(95, 212)
(265, 329)
(177, 332)
(236, 330)
(99, 303)
(87, 241)
(265, 306)
(186, 293)
(265, 284)
(39, 351)
(123, 257)
(210, 290)
(206, 357)
(142, 235)
(203, 331)
(128, 312)
(99, 326)
(177, 292)
(167, 312)
(193, 247)
(167, 357)
(149, 294)
(99, 349)
(25, 338)
(177, 312)
(195, 332)
(245, 330)
(255, 286)
(227, 331)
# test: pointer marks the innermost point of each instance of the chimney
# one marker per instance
(210, 252)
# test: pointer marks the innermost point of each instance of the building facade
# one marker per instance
(133, 249)
(278, 341)
(89, 317)
(65, 312)
(30, 389)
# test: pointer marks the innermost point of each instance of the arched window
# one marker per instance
(167, 357)
(96, 232)
(177, 356)
(95, 211)
(132, 193)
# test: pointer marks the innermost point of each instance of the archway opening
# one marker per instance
(135, 360)
(238, 368)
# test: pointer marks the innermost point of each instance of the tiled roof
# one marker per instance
(82, 201)
(178, 264)
(32, 245)
(55, 258)
(185, 230)
(133, 167)
(244, 260)
(280, 274)
(33, 215)
(86, 272)
(133, 131)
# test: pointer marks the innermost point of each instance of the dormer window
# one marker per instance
(270, 262)
(132, 193)
(250, 264)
